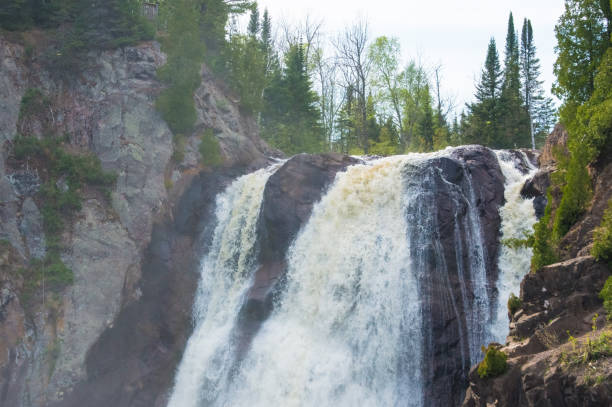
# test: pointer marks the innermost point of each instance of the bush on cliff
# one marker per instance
(494, 362)
(602, 241)
(606, 296)
(210, 150)
(514, 304)
(543, 251)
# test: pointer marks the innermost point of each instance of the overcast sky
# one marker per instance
(454, 33)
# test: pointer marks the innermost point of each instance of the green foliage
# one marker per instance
(590, 135)
(606, 296)
(582, 39)
(514, 304)
(181, 73)
(483, 120)
(602, 238)
(76, 27)
(33, 103)
(60, 196)
(247, 71)
(595, 347)
(210, 150)
(494, 363)
(513, 118)
(543, 250)
(290, 119)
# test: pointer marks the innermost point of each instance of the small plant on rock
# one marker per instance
(494, 363)
(606, 296)
(514, 304)
(602, 241)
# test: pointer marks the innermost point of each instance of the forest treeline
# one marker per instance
(347, 92)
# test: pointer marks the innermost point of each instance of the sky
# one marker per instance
(453, 33)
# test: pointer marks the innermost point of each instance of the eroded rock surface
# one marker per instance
(106, 109)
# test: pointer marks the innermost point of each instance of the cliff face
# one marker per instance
(108, 110)
(561, 318)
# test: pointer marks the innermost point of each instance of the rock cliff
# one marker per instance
(119, 253)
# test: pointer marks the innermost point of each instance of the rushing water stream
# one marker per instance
(348, 329)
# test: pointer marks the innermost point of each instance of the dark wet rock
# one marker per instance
(537, 188)
(289, 197)
(470, 176)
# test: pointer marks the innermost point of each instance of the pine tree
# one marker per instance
(290, 118)
(511, 61)
(253, 27)
(539, 107)
(582, 39)
(482, 125)
(266, 32)
(426, 124)
(513, 121)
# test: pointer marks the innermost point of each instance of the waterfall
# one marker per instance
(518, 217)
(226, 273)
(375, 274)
(347, 330)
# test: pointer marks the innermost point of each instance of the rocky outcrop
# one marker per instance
(106, 109)
(555, 143)
(560, 299)
(550, 347)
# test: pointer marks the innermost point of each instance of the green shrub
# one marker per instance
(209, 149)
(606, 296)
(514, 304)
(494, 362)
(602, 240)
(33, 103)
(577, 193)
(543, 251)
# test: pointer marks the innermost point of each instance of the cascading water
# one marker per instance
(518, 217)
(351, 310)
(226, 273)
(353, 323)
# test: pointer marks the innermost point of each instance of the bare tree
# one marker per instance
(351, 47)
(444, 105)
(326, 78)
(306, 33)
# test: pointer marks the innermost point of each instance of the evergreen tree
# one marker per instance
(372, 126)
(482, 124)
(582, 38)
(426, 124)
(513, 121)
(539, 107)
(511, 61)
(181, 73)
(253, 27)
(290, 119)
(266, 32)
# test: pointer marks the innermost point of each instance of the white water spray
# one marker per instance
(351, 309)
(226, 274)
(518, 217)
